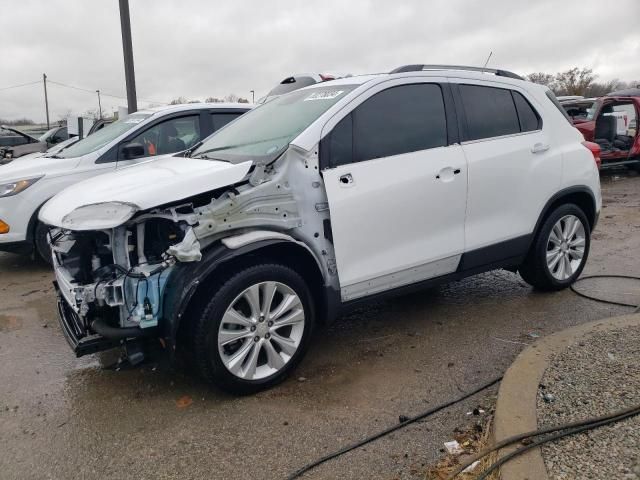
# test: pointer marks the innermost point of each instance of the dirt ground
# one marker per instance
(62, 417)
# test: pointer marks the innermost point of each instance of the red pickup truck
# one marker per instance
(612, 123)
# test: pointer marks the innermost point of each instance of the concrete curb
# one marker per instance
(516, 405)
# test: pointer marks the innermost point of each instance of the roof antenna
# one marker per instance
(485, 63)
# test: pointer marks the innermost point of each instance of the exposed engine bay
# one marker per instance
(116, 278)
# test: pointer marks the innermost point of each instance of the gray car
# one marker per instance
(14, 143)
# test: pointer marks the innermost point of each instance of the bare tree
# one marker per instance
(598, 89)
(575, 81)
(178, 101)
(232, 97)
(213, 100)
(543, 79)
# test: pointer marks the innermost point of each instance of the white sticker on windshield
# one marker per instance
(325, 95)
(133, 120)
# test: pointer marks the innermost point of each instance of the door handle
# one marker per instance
(446, 174)
(346, 179)
(539, 148)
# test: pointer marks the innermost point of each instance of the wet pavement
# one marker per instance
(62, 417)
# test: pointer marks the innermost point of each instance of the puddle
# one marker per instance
(9, 323)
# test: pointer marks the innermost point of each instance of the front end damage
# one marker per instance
(111, 283)
(115, 284)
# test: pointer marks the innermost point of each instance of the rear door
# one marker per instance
(396, 184)
(514, 166)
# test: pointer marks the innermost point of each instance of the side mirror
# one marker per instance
(132, 150)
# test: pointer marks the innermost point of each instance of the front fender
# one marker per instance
(185, 278)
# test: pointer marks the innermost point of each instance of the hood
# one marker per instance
(37, 165)
(146, 185)
(20, 150)
(6, 127)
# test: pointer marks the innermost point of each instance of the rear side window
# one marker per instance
(399, 120)
(529, 118)
(221, 119)
(490, 112)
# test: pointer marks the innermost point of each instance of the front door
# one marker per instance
(396, 190)
(172, 135)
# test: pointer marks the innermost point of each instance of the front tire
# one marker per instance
(560, 250)
(255, 329)
(41, 244)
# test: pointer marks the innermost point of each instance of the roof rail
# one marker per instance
(421, 67)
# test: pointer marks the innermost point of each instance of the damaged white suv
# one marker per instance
(318, 200)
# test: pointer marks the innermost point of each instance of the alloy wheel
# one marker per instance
(565, 247)
(261, 330)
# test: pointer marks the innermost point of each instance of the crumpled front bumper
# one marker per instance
(80, 338)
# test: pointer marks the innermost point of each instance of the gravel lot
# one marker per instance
(62, 417)
(593, 377)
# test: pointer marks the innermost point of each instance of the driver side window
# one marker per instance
(399, 120)
(171, 136)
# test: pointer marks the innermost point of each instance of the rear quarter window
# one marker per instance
(529, 118)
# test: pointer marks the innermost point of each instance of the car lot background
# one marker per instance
(62, 417)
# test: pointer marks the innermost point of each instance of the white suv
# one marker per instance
(26, 185)
(318, 200)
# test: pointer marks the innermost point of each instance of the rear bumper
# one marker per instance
(77, 333)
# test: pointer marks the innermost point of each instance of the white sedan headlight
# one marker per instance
(99, 216)
(13, 188)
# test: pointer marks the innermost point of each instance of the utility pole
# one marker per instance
(253, 96)
(46, 99)
(127, 50)
(99, 105)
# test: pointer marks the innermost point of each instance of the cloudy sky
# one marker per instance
(200, 48)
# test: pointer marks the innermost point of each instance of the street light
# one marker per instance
(253, 96)
(99, 105)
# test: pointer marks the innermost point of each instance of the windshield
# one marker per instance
(582, 110)
(265, 132)
(104, 136)
(47, 134)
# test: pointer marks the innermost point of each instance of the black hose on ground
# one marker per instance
(557, 436)
(382, 433)
(569, 429)
(604, 300)
(558, 431)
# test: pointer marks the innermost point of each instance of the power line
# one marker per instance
(21, 85)
(101, 92)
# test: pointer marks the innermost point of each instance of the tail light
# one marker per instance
(594, 148)
(327, 77)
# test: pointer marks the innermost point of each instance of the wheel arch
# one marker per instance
(188, 281)
(581, 195)
(33, 221)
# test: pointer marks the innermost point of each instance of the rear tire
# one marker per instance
(559, 251)
(255, 329)
(41, 244)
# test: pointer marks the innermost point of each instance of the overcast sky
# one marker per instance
(200, 48)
